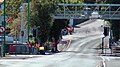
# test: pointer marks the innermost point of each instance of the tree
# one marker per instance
(90, 1)
(12, 7)
(41, 16)
(55, 31)
(115, 24)
(13, 10)
(41, 12)
(12, 13)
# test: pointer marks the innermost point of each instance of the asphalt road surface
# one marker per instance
(81, 52)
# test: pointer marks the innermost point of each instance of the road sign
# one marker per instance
(2, 29)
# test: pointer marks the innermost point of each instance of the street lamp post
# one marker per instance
(28, 18)
(4, 44)
(22, 36)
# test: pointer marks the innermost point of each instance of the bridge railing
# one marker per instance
(89, 14)
(89, 11)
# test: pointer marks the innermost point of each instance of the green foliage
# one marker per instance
(115, 27)
(41, 16)
(90, 1)
(41, 12)
(8, 29)
(115, 24)
(12, 7)
(71, 1)
(113, 1)
(58, 25)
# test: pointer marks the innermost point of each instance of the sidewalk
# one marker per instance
(20, 56)
(108, 52)
(62, 46)
(109, 59)
(113, 63)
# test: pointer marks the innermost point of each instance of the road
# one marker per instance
(81, 52)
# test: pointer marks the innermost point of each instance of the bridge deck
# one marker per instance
(88, 11)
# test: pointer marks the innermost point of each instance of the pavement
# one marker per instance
(112, 64)
(20, 56)
(109, 59)
(65, 42)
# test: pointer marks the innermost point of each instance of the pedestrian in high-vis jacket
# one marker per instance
(30, 47)
(53, 45)
(36, 48)
(42, 48)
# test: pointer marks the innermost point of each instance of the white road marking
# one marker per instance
(103, 62)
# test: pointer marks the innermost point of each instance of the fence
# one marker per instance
(18, 49)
